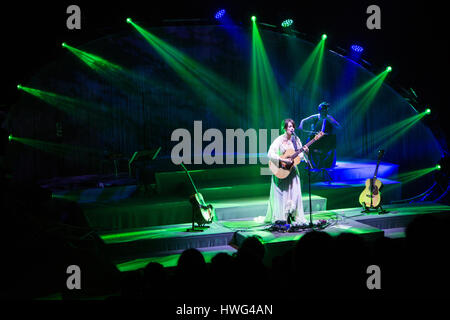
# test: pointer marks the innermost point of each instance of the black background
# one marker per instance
(412, 38)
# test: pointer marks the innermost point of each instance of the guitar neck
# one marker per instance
(303, 148)
(192, 181)
(376, 170)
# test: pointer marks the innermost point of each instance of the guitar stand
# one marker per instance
(193, 229)
(379, 209)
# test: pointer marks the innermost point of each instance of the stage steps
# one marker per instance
(361, 169)
(142, 213)
(133, 249)
(345, 193)
(257, 207)
(132, 244)
(169, 259)
(236, 192)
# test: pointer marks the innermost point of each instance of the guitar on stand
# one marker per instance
(371, 195)
(202, 213)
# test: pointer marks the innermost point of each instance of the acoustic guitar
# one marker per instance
(371, 195)
(202, 213)
(281, 170)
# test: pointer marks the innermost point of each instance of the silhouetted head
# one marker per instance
(313, 245)
(323, 108)
(191, 263)
(154, 270)
(252, 247)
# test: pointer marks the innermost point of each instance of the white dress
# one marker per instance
(285, 194)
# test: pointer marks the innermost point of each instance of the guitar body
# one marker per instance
(282, 170)
(371, 195)
(203, 213)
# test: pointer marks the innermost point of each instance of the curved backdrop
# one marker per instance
(139, 92)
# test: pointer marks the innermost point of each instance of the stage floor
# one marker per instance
(133, 249)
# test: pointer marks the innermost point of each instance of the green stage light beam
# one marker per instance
(304, 74)
(204, 82)
(364, 104)
(387, 136)
(59, 149)
(409, 176)
(120, 77)
(67, 104)
(95, 62)
(80, 109)
(187, 66)
(317, 79)
(117, 75)
(265, 96)
(357, 93)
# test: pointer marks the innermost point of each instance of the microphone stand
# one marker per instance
(309, 186)
(309, 191)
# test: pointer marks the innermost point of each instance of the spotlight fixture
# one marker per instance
(63, 44)
(287, 23)
(438, 167)
(357, 49)
(220, 14)
(324, 36)
(253, 18)
(129, 20)
(428, 111)
(19, 87)
(10, 137)
(389, 69)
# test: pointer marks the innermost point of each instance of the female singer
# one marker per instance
(285, 201)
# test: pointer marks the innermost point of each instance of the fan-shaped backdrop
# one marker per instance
(138, 95)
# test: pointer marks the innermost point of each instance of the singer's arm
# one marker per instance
(299, 146)
(273, 153)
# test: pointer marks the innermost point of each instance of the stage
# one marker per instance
(106, 134)
(143, 223)
(118, 202)
(133, 249)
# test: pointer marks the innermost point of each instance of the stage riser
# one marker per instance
(153, 242)
(235, 191)
(354, 171)
(161, 214)
(392, 222)
(348, 197)
(126, 251)
(167, 182)
(107, 194)
(239, 212)
(177, 181)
